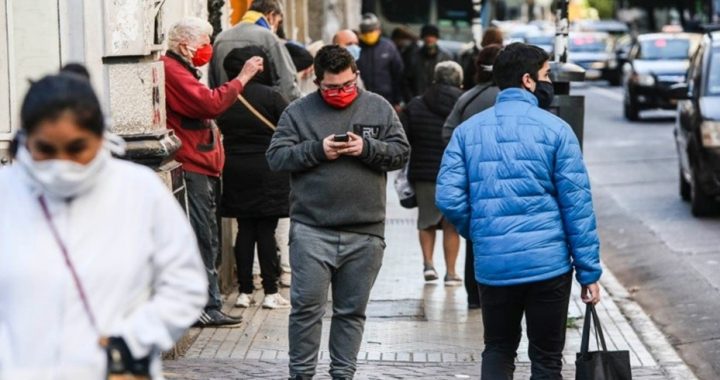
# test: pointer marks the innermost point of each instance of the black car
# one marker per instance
(619, 35)
(697, 129)
(656, 62)
(593, 51)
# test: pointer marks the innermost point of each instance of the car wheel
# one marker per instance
(685, 188)
(701, 204)
(631, 110)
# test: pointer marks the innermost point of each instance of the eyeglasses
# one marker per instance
(336, 90)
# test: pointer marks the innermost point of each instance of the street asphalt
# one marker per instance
(666, 258)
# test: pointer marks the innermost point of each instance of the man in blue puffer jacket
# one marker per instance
(513, 181)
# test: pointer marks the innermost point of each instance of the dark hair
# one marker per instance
(492, 36)
(486, 57)
(430, 30)
(333, 59)
(516, 60)
(53, 95)
(301, 57)
(236, 58)
(76, 68)
(266, 6)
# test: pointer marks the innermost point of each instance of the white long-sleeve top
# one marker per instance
(135, 254)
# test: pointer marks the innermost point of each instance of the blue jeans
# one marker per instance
(203, 198)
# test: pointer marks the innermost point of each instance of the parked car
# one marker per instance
(656, 62)
(697, 129)
(543, 40)
(593, 52)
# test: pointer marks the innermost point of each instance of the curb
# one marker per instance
(655, 341)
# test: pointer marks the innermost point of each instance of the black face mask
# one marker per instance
(544, 92)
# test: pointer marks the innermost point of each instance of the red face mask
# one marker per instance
(202, 55)
(340, 97)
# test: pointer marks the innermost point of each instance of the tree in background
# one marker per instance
(605, 8)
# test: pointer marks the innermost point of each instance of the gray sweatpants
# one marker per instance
(320, 258)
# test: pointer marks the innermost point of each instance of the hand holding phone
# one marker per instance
(341, 138)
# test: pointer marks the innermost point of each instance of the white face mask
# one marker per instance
(62, 178)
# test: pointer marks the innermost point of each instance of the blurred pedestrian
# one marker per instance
(257, 28)
(481, 97)
(190, 108)
(513, 182)
(406, 42)
(100, 268)
(492, 36)
(338, 143)
(419, 75)
(423, 120)
(380, 64)
(252, 194)
(307, 77)
(347, 39)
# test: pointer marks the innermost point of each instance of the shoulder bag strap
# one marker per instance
(467, 104)
(68, 263)
(256, 112)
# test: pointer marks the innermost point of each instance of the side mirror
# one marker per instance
(679, 91)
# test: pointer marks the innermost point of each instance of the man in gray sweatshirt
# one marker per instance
(337, 143)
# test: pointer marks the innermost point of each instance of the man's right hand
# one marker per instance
(332, 148)
(252, 66)
(590, 293)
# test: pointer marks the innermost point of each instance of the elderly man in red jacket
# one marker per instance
(190, 107)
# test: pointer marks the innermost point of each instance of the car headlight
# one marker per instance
(710, 131)
(598, 65)
(646, 80)
(612, 64)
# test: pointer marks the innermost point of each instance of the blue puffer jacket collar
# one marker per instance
(516, 94)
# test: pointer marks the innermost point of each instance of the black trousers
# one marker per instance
(471, 286)
(260, 231)
(545, 305)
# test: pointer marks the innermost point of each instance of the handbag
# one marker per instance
(603, 364)
(404, 188)
(118, 354)
(257, 113)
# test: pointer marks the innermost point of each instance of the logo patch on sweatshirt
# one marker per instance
(367, 131)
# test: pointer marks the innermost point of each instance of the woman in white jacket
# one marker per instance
(99, 267)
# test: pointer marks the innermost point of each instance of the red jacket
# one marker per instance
(190, 107)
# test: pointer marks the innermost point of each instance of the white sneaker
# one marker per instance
(275, 301)
(243, 300)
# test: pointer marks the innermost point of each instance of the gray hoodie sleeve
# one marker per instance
(452, 122)
(388, 152)
(288, 153)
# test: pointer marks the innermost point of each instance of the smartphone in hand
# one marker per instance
(341, 138)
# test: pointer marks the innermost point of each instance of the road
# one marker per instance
(665, 257)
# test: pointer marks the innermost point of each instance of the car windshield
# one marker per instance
(662, 48)
(713, 85)
(591, 44)
(540, 40)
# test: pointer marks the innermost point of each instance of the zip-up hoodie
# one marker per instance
(347, 194)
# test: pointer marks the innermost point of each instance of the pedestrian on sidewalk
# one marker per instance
(423, 119)
(258, 27)
(338, 143)
(190, 107)
(419, 75)
(514, 183)
(98, 261)
(479, 98)
(252, 194)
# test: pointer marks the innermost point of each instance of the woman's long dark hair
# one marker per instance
(486, 57)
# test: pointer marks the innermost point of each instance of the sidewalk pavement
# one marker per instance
(416, 330)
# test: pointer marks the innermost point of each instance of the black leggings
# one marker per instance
(260, 231)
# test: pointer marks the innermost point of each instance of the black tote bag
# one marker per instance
(599, 365)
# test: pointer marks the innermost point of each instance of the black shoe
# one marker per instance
(216, 318)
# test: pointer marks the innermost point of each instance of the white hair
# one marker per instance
(188, 30)
(449, 72)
